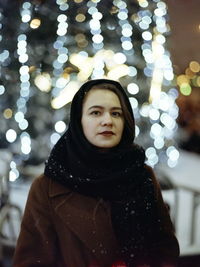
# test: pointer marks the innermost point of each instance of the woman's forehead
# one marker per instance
(101, 96)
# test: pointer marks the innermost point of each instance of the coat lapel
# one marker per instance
(87, 218)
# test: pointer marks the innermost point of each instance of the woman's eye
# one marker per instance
(116, 114)
(95, 112)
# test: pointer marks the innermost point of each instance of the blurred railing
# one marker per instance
(10, 213)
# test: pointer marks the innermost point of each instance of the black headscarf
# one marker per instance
(118, 175)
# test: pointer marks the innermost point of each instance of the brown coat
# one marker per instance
(61, 228)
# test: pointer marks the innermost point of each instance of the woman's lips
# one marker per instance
(107, 133)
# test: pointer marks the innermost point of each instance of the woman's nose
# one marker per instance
(107, 119)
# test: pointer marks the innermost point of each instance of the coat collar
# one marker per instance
(56, 189)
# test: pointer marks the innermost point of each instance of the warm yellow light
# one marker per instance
(135, 18)
(65, 75)
(157, 77)
(108, 56)
(35, 23)
(81, 40)
(157, 50)
(182, 79)
(189, 73)
(77, 59)
(143, 3)
(69, 70)
(7, 113)
(32, 68)
(66, 95)
(118, 72)
(79, 37)
(82, 44)
(194, 66)
(156, 84)
(85, 73)
(80, 17)
(78, 1)
(43, 82)
(85, 65)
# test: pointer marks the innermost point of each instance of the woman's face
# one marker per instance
(102, 118)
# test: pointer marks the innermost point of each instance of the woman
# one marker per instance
(97, 204)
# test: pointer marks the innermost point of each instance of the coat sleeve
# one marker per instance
(167, 246)
(36, 245)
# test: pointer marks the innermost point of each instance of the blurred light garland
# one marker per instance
(93, 58)
(161, 109)
(24, 89)
(97, 38)
(61, 80)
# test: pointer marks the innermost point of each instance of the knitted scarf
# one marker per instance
(118, 175)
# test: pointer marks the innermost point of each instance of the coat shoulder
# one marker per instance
(154, 180)
(151, 174)
(48, 185)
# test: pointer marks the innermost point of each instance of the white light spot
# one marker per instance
(97, 15)
(23, 124)
(60, 126)
(147, 35)
(97, 38)
(159, 142)
(132, 71)
(26, 18)
(154, 114)
(21, 37)
(137, 130)
(26, 149)
(156, 129)
(127, 45)
(11, 135)
(61, 18)
(172, 153)
(54, 138)
(133, 88)
(19, 116)
(61, 31)
(22, 43)
(122, 15)
(13, 175)
(119, 58)
(144, 111)
(2, 89)
(24, 70)
(62, 58)
(168, 121)
(127, 32)
(149, 151)
(134, 102)
(171, 163)
(23, 58)
(95, 24)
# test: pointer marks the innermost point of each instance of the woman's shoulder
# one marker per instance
(153, 178)
(149, 170)
(40, 182)
(48, 185)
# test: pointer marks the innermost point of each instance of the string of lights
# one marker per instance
(24, 92)
(161, 108)
(124, 42)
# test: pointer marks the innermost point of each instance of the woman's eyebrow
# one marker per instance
(96, 106)
(101, 107)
